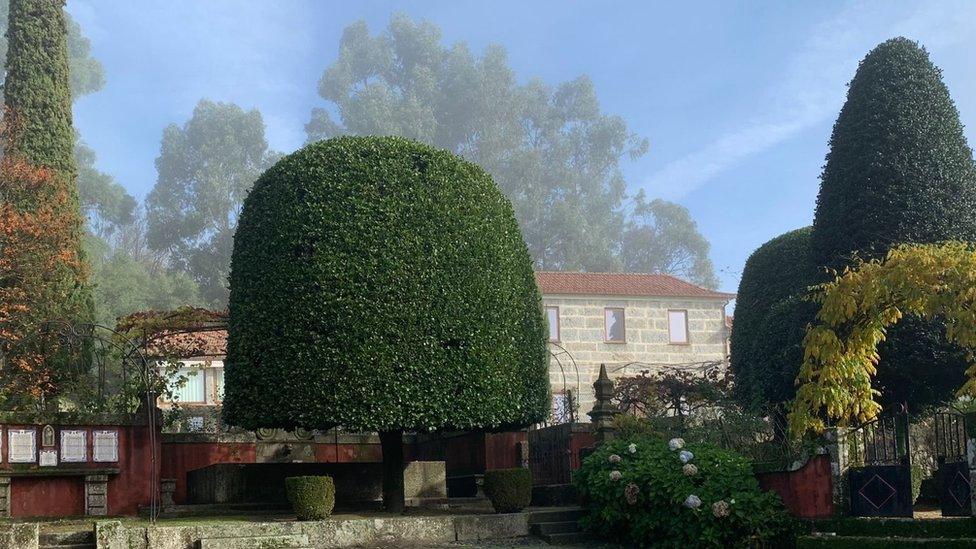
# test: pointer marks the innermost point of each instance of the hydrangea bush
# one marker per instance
(646, 491)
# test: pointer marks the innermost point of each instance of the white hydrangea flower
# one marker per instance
(692, 502)
(614, 458)
(690, 469)
(720, 509)
(685, 456)
(632, 448)
(676, 444)
(615, 475)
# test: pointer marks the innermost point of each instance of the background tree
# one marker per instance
(550, 149)
(899, 170)
(662, 237)
(206, 167)
(382, 285)
(770, 320)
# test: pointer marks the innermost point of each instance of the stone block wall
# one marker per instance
(582, 339)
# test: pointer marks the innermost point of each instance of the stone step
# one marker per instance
(565, 527)
(569, 538)
(563, 514)
(68, 546)
(66, 538)
(290, 541)
(866, 542)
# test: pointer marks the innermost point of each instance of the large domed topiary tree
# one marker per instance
(899, 171)
(380, 284)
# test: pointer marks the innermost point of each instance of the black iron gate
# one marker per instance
(955, 491)
(550, 454)
(880, 474)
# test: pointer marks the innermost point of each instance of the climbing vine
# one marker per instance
(857, 308)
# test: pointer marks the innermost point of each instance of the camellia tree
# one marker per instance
(379, 284)
(857, 310)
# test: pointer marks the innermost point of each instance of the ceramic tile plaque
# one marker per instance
(48, 458)
(23, 445)
(105, 446)
(74, 446)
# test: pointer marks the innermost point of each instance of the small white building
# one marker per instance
(630, 322)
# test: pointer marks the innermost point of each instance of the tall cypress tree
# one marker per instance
(899, 170)
(37, 98)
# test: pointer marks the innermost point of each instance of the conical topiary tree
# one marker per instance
(37, 89)
(899, 170)
(38, 135)
(770, 319)
(379, 284)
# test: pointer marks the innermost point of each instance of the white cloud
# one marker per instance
(814, 85)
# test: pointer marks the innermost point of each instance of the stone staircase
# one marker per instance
(559, 526)
(290, 541)
(81, 539)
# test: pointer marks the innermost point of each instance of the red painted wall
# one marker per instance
(47, 497)
(806, 492)
(179, 458)
(51, 495)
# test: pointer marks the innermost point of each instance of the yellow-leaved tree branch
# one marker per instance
(856, 310)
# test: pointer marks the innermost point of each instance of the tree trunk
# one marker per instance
(392, 444)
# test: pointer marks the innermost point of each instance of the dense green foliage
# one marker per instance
(509, 490)
(85, 73)
(36, 88)
(381, 284)
(311, 498)
(770, 320)
(899, 171)
(638, 491)
(206, 168)
(551, 149)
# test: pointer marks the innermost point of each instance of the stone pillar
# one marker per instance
(836, 444)
(96, 495)
(969, 421)
(603, 410)
(166, 491)
(4, 496)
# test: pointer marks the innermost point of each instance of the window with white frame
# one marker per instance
(552, 315)
(189, 384)
(218, 379)
(678, 327)
(614, 325)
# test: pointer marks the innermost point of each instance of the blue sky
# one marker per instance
(737, 99)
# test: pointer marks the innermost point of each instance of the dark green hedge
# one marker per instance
(381, 284)
(770, 319)
(311, 498)
(899, 170)
(510, 490)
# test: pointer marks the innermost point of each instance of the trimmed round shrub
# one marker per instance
(381, 284)
(770, 320)
(510, 490)
(641, 492)
(311, 498)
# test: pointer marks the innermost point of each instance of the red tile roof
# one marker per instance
(191, 343)
(628, 284)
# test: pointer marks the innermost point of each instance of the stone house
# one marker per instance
(630, 322)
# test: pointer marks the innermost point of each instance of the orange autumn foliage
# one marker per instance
(38, 254)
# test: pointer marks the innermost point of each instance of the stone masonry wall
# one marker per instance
(581, 322)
